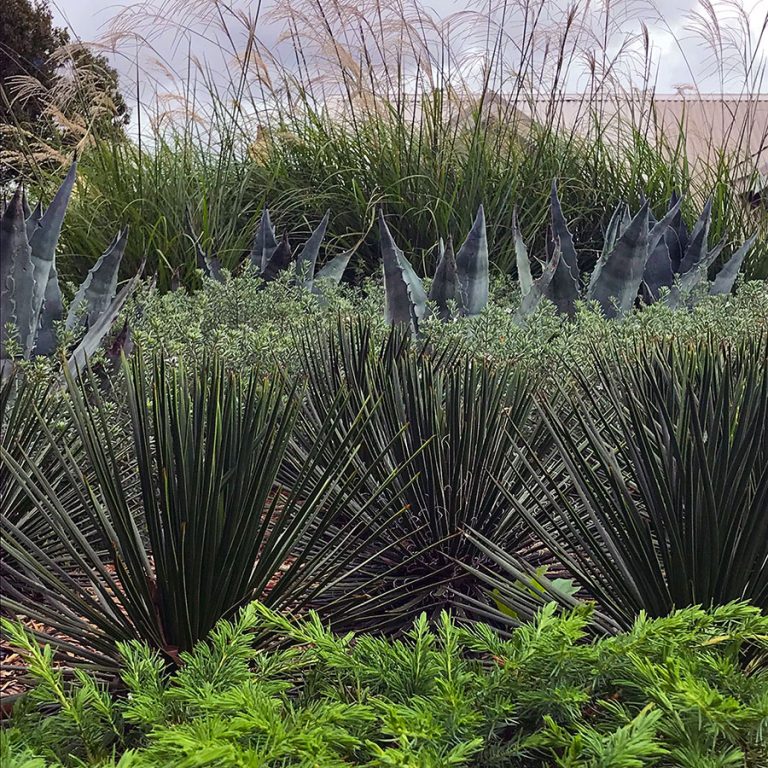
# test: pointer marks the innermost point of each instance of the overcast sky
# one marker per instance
(676, 52)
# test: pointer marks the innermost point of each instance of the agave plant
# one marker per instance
(202, 525)
(30, 295)
(448, 422)
(460, 278)
(681, 260)
(640, 256)
(270, 257)
(658, 494)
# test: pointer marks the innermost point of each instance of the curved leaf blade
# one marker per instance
(17, 278)
(472, 268)
(444, 288)
(562, 235)
(307, 258)
(100, 285)
(523, 263)
(616, 278)
(727, 275)
(404, 295)
(45, 238)
(334, 269)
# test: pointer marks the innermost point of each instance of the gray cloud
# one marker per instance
(680, 57)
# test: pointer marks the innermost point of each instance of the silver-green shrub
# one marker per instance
(252, 325)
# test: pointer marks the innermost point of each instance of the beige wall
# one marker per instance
(711, 123)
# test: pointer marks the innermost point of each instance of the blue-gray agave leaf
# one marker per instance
(676, 236)
(561, 234)
(615, 227)
(616, 278)
(626, 219)
(522, 261)
(531, 299)
(46, 237)
(405, 300)
(10, 241)
(331, 273)
(472, 268)
(659, 272)
(210, 265)
(685, 284)
(562, 289)
(307, 258)
(279, 261)
(726, 277)
(264, 242)
(33, 220)
(334, 269)
(97, 291)
(52, 313)
(17, 278)
(101, 326)
(696, 250)
(659, 228)
(444, 288)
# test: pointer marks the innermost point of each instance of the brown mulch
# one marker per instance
(13, 668)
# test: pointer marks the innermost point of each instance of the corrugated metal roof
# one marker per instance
(674, 97)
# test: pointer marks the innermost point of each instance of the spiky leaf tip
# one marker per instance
(404, 295)
(616, 278)
(307, 258)
(727, 275)
(264, 242)
(562, 235)
(445, 287)
(696, 249)
(522, 261)
(472, 272)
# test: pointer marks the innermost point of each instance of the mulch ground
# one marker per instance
(13, 669)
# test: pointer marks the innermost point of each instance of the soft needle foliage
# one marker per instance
(686, 691)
